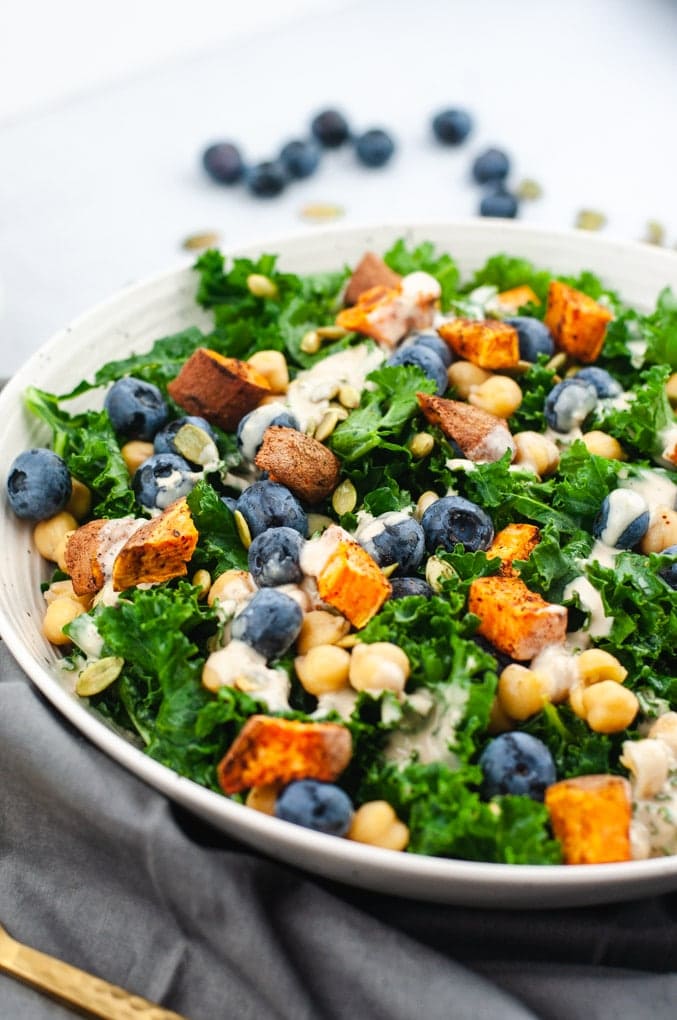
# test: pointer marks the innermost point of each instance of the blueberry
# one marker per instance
(623, 519)
(454, 519)
(425, 359)
(669, 573)
(516, 763)
(230, 502)
(136, 408)
(252, 427)
(223, 163)
(451, 127)
(394, 538)
(502, 204)
(270, 505)
(569, 403)
(270, 623)
(266, 180)
(274, 557)
(401, 587)
(604, 383)
(330, 129)
(374, 147)
(161, 479)
(38, 484)
(491, 165)
(164, 440)
(534, 337)
(320, 806)
(300, 158)
(435, 343)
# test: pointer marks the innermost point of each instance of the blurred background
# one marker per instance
(106, 109)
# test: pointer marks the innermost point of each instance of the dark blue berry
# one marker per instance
(269, 623)
(274, 557)
(604, 383)
(451, 127)
(491, 165)
(534, 337)
(394, 539)
(266, 180)
(374, 148)
(164, 440)
(501, 204)
(453, 519)
(516, 763)
(161, 479)
(223, 162)
(425, 359)
(402, 587)
(319, 806)
(252, 427)
(38, 484)
(623, 519)
(330, 129)
(230, 502)
(270, 505)
(300, 158)
(569, 403)
(669, 573)
(137, 409)
(436, 344)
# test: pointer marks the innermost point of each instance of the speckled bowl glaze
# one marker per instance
(131, 321)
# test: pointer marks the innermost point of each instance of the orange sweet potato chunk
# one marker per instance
(489, 344)
(590, 816)
(516, 620)
(576, 321)
(159, 550)
(515, 298)
(270, 750)
(353, 583)
(514, 542)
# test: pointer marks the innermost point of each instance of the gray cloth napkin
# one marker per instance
(98, 869)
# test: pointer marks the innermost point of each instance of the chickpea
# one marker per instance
(232, 585)
(64, 589)
(262, 798)
(135, 452)
(376, 824)
(48, 534)
(320, 627)
(522, 692)
(273, 367)
(665, 729)
(499, 722)
(59, 613)
(323, 668)
(601, 444)
(609, 707)
(463, 374)
(379, 666)
(499, 395)
(537, 452)
(596, 665)
(576, 700)
(81, 500)
(662, 530)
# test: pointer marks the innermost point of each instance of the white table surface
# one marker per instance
(100, 180)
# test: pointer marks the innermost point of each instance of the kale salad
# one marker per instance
(388, 553)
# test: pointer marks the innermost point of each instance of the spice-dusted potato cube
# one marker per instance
(388, 313)
(512, 300)
(81, 557)
(491, 344)
(481, 436)
(371, 271)
(269, 750)
(353, 583)
(220, 389)
(517, 621)
(590, 816)
(514, 542)
(300, 462)
(577, 322)
(159, 549)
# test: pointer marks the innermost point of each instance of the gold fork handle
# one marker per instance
(82, 990)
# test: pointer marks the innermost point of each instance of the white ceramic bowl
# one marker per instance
(130, 321)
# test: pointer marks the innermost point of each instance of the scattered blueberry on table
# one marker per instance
(267, 179)
(374, 148)
(451, 127)
(330, 128)
(223, 162)
(490, 166)
(300, 158)
(500, 203)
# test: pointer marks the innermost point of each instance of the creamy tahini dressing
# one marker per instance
(316, 551)
(653, 776)
(309, 395)
(625, 506)
(654, 486)
(370, 527)
(440, 713)
(342, 702)
(410, 309)
(599, 625)
(239, 665)
(257, 422)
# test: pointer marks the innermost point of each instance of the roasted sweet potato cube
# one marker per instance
(82, 558)
(270, 750)
(590, 816)
(479, 435)
(353, 583)
(514, 542)
(576, 321)
(300, 462)
(159, 549)
(512, 300)
(220, 389)
(517, 621)
(490, 344)
(371, 271)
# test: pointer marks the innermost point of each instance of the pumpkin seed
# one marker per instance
(203, 239)
(390, 569)
(318, 522)
(331, 332)
(327, 425)
(421, 445)
(590, 219)
(196, 445)
(425, 500)
(557, 362)
(321, 212)
(262, 286)
(655, 233)
(437, 571)
(344, 498)
(242, 528)
(98, 675)
(310, 342)
(202, 579)
(529, 190)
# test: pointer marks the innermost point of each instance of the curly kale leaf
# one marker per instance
(639, 425)
(219, 547)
